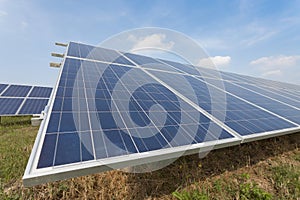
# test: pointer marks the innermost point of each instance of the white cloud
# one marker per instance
(219, 61)
(24, 24)
(276, 61)
(258, 38)
(151, 41)
(2, 13)
(213, 43)
(256, 32)
(277, 66)
(271, 73)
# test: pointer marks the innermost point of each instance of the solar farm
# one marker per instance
(112, 110)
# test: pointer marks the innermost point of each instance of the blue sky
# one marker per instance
(258, 38)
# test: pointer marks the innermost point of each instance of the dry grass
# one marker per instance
(255, 170)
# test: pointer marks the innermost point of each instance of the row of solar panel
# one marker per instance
(24, 91)
(17, 106)
(23, 100)
(97, 100)
(114, 104)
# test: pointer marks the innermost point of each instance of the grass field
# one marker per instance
(267, 169)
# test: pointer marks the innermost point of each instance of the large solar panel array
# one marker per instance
(23, 99)
(113, 109)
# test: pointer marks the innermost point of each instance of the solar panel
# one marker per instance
(112, 110)
(271, 102)
(9, 106)
(67, 106)
(23, 99)
(41, 92)
(241, 115)
(33, 106)
(17, 91)
(272, 93)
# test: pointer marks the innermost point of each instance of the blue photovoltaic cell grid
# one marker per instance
(2, 87)
(192, 70)
(275, 92)
(274, 106)
(290, 93)
(240, 116)
(96, 53)
(33, 106)
(40, 92)
(260, 82)
(110, 136)
(271, 89)
(9, 106)
(141, 60)
(205, 74)
(17, 91)
(182, 68)
(285, 93)
(272, 94)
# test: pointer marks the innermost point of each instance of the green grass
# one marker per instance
(297, 157)
(287, 181)
(193, 195)
(233, 188)
(16, 139)
(252, 191)
(11, 122)
(267, 169)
